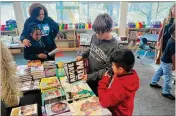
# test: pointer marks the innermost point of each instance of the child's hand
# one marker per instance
(42, 56)
(84, 77)
(106, 74)
(79, 58)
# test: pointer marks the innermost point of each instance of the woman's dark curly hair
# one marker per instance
(35, 8)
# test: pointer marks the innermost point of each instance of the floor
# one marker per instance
(148, 101)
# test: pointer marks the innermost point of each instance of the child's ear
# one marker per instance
(121, 69)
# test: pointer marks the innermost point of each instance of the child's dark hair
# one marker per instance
(103, 23)
(172, 28)
(123, 58)
(36, 11)
(32, 27)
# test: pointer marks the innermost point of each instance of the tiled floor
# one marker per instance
(148, 101)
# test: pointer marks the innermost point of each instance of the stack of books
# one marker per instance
(36, 69)
(28, 110)
(49, 68)
(23, 72)
(37, 72)
(30, 85)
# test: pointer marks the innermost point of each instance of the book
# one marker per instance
(75, 69)
(60, 72)
(49, 64)
(30, 85)
(52, 93)
(50, 72)
(47, 83)
(57, 108)
(28, 110)
(86, 107)
(34, 63)
(37, 72)
(77, 91)
(23, 70)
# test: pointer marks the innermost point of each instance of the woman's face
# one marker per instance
(41, 15)
(173, 11)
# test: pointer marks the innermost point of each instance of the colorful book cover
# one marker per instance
(34, 63)
(52, 93)
(28, 110)
(57, 108)
(87, 107)
(77, 91)
(49, 64)
(74, 70)
(47, 83)
(50, 72)
(60, 72)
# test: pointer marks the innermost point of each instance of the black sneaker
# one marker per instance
(170, 96)
(155, 85)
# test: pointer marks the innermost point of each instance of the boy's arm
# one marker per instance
(85, 54)
(96, 75)
(106, 67)
(109, 97)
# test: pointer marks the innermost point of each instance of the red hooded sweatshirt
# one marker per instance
(119, 96)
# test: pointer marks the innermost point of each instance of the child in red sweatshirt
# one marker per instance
(117, 94)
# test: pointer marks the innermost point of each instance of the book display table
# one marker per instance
(50, 93)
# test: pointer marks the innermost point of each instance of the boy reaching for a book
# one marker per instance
(37, 50)
(117, 94)
(101, 47)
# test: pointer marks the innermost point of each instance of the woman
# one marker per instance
(164, 35)
(39, 15)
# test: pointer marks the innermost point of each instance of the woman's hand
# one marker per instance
(26, 42)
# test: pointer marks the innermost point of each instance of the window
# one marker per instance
(69, 12)
(112, 8)
(50, 6)
(148, 11)
(7, 14)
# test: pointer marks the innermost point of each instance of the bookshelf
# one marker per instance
(72, 41)
(11, 33)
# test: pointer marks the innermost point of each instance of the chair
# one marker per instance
(144, 46)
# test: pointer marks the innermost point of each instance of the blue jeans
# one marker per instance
(165, 69)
